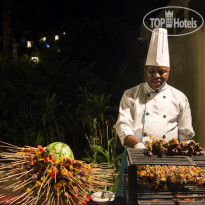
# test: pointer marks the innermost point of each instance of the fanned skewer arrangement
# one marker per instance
(36, 177)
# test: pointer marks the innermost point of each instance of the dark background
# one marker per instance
(99, 53)
(104, 31)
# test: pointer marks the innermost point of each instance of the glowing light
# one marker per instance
(35, 59)
(29, 44)
(64, 33)
(43, 39)
(56, 37)
(46, 44)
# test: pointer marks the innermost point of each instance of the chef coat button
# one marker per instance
(148, 95)
(147, 113)
(164, 116)
(145, 134)
(164, 96)
(164, 136)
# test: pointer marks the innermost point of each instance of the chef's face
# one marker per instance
(156, 76)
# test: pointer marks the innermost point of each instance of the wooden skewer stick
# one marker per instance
(14, 184)
(74, 194)
(101, 165)
(104, 177)
(50, 198)
(33, 201)
(79, 187)
(88, 184)
(26, 146)
(38, 194)
(47, 193)
(44, 201)
(28, 195)
(39, 197)
(47, 181)
(8, 201)
(22, 185)
(4, 167)
(82, 193)
(17, 198)
(46, 170)
(69, 201)
(6, 172)
(58, 193)
(66, 198)
(14, 150)
(8, 177)
(71, 178)
(22, 161)
(11, 176)
(100, 170)
(61, 200)
(48, 190)
(5, 159)
(27, 200)
(24, 173)
(72, 200)
(42, 184)
(101, 178)
(11, 153)
(2, 196)
(9, 144)
(9, 148)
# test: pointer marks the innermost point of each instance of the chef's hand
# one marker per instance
(139, 145)
(130, 141)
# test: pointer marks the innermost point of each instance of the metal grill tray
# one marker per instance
(175, 194)
(137, 157)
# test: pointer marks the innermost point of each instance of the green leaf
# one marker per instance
(107, 154)
(109, 142)
(52, 98)
(114, 187)
(115, 159)
(86, 159)
(99, 149)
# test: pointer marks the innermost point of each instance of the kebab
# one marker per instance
(161, 147)
(162, 177)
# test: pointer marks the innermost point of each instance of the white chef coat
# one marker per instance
(164, 114)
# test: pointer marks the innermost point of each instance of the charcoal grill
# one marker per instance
(137, 193)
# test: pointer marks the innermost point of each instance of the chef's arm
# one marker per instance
(124, 125)
(185, 129)
(130, 141)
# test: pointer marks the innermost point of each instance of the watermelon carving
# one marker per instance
(59, 150)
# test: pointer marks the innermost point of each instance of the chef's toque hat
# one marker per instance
(158, 53)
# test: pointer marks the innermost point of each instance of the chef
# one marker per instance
(153, 108)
